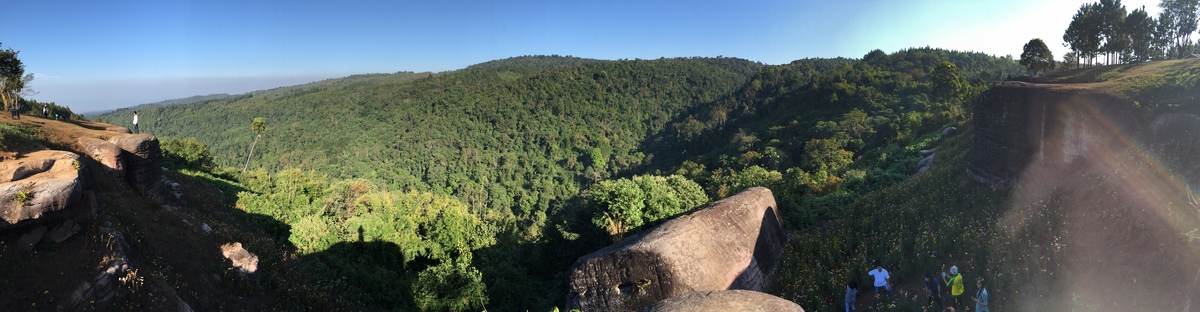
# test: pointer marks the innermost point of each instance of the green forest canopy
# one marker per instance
(509, 145)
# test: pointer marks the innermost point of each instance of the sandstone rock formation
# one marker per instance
(118, 129)
(241, 259)
(142, 159)
(106, 153)
(1017, 123)
(62, 231)
(40, 183)
(734, 243)
(724, 301)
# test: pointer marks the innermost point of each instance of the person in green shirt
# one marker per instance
(955, 281)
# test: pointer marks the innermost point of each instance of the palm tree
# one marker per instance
(258, 126)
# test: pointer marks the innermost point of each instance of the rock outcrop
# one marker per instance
(724, 301)
(106, 153)
(101, 291)
(926, 162)
(1017, 123)
(41, 186)
(734, 243)
(239, 258)
(142, 159)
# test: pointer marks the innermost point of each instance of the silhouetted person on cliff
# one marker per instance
(135, 126)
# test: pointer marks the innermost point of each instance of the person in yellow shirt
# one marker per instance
(955, 281)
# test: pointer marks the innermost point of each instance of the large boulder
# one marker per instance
(142, 159)
(41, 183)
(240, 259)
(724, 301)
(106, 153)
(734, 243)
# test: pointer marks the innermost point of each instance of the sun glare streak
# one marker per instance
(1085, 148)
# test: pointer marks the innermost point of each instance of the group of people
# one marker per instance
(16, 113)
(954, 280)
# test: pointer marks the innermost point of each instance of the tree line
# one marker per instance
(1106, 31)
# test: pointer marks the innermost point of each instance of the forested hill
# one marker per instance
(528, 122)
(519, 140)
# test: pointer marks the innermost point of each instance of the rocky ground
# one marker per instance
(91, 221)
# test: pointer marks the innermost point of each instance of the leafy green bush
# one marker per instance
(187, 153)
(623, 205)
(450, 286)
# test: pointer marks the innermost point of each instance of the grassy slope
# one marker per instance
(1114, 235)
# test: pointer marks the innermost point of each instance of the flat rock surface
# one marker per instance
(724, 301)
(42, 182)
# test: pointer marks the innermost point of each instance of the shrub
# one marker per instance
(626, 204)
(187, 153)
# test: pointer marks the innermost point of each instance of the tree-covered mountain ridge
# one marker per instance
(557, 156)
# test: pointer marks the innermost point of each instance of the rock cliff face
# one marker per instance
(1017, 123)
(734, 243)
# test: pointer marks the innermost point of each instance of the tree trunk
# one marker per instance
(251, 152)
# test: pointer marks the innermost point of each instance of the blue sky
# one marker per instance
(95, 55)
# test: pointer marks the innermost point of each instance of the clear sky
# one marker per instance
(96, 55)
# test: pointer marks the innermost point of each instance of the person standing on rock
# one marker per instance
(882, 280)
(851, 294)
(955, 282)
(135, 121)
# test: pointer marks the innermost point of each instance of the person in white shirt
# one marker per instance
(135, 126)
(882, 280)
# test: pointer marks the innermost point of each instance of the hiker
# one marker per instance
(933, 291)
(16, 111)
(955, 283)
(851, 294)
(882, 280)
(981, 297)
(45, 111)
(135, 126)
